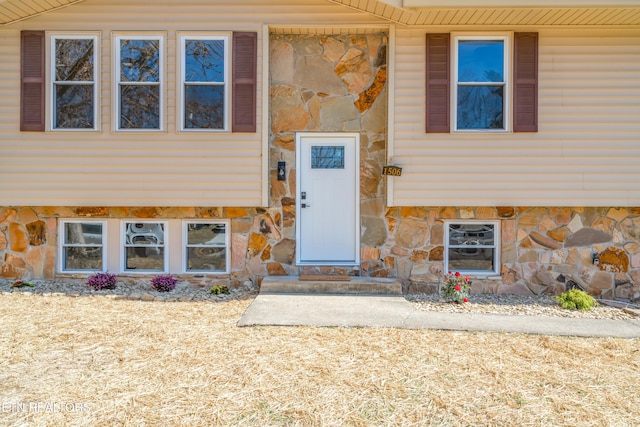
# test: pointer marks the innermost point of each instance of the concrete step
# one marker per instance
(355, 286)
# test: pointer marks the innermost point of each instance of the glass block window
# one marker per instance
(83, 246)
(73, 78)
(472, 247)
(145, 246)
(206, 246)
(327, 157)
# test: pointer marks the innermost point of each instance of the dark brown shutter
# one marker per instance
(244, 64)
(525, 93)
(437, 96)
(32, 81)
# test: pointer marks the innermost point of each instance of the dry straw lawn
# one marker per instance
(137, 363)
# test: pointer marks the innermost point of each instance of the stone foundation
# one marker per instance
(543, 250)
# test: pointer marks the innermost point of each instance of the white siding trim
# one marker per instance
(391, 108)
(266, 105)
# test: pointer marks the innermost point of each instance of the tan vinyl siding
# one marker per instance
(170, 168)
(586, 152)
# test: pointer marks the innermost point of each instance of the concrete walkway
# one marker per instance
(393, 311)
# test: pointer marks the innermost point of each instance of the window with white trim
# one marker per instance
(206, 246)
(480, 83)
(204, 87)
(82, 246)
(144, 246)
(139, 63)
(74, 88)
(472, 247)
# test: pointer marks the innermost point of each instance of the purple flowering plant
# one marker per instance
(164, 283)
(100, 281)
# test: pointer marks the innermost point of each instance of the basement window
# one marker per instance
(472, 247)
(145, 246)
(206, 246)
(82, 246)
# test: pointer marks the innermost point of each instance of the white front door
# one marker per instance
(327, 199)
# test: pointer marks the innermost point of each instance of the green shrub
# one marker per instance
(575, 299)
(21, 284)
(219, 289)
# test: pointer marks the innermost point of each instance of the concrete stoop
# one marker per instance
(353, 286)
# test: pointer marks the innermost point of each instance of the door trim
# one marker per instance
(356, 142)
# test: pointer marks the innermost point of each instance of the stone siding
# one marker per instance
(29, 236)
(328, 83)
(543, 250)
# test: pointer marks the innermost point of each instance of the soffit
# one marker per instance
(17, 10)
(392, 10)
(328, 30)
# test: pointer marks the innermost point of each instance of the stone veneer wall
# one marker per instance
(329, 83)
(543, 249)
(29, 235)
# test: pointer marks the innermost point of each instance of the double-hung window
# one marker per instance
(74, 89)
(472, 247)
(481, 82)
(139, 77)
(206, 246)
(204, 82)
(481, 88)
(82, 246)
(145, 246)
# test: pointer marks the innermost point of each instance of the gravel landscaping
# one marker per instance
(185, 291)
(518, 305)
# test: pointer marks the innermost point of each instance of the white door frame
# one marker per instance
(356, 170)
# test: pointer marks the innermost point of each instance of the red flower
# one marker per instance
(457, 288)
(465, 300)
(466, 279)
(457, 274)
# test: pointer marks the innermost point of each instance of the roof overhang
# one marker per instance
(511, 3)
(538, 13)
(503, 13)
(18, 10)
